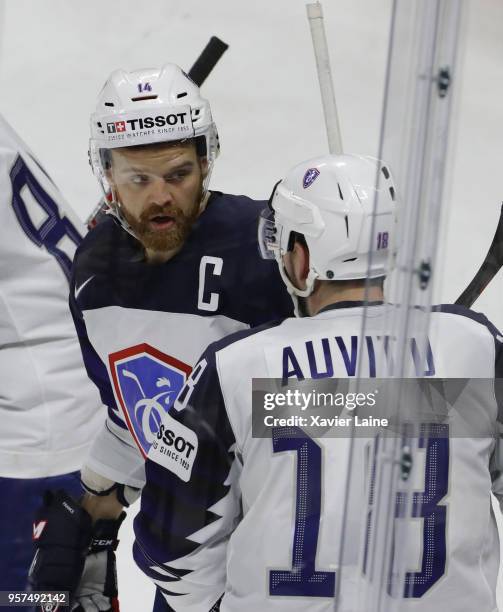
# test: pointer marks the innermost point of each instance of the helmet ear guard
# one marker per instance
(267, 231)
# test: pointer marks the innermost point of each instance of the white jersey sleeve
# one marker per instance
(50, 411)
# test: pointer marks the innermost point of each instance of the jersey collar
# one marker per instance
(350, 304)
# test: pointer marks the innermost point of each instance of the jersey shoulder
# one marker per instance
(478, 328)
(477, 322)
(106, 242)
(235, 342)
(233, 219)
(237, 206)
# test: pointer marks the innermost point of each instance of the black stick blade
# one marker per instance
(207, 60)
(488, 270)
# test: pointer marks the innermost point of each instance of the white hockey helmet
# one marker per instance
(330, 201)
(146, 107)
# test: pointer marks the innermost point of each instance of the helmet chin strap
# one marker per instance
(114, 209)
(295, 292)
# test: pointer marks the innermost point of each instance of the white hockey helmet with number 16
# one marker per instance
(149, 106)
(331, 201)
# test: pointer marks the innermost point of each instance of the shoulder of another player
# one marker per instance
(477, 318)
(238, 344)
(235, 209)
(104, 250)
(238, 202)
(232, 348)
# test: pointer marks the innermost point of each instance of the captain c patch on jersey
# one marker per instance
(175, 448)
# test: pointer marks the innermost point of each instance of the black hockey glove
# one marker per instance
(73, 555)
(62, 532)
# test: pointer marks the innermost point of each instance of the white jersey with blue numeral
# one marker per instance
(49, 410)
(258, 520)
(143, 326)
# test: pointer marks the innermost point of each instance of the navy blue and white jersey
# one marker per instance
(259, 520)
(142, 326)
(49, 410)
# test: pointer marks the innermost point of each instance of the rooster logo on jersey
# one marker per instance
(146, 383)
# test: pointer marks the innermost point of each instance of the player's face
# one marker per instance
(159, 189)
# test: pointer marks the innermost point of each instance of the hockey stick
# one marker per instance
(488, 270)
(199, 72)
(208, 59)
(315, 17)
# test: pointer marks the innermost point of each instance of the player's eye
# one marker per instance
(178, 175)
(139, 179)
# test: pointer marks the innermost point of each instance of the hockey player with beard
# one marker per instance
(173, 268)
(255, 522)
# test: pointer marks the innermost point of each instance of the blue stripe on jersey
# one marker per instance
(95, 367)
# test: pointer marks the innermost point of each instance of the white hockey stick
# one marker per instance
(315, 17)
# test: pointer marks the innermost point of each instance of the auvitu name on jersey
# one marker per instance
(338, 348)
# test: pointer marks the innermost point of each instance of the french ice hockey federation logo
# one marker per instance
(310, 176)
(146, 383)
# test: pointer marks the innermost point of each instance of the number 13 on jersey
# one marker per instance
(304, 579)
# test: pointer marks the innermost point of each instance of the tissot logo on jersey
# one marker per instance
(175, 448)
(171, 439)
(145, 123)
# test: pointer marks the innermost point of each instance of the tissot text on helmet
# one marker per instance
(147, 122)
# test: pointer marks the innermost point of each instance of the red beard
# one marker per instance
(179, 225)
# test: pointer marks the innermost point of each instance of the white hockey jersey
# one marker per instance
(49, 409)
(258, 520)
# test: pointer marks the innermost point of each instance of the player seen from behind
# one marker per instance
(256, 521)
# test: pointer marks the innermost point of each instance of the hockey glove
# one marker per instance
(98, 586)
(73, 555)
(62, 532)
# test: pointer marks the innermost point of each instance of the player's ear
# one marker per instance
(300, 263)
(203, 162)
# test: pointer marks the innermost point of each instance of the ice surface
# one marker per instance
(56, 54)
